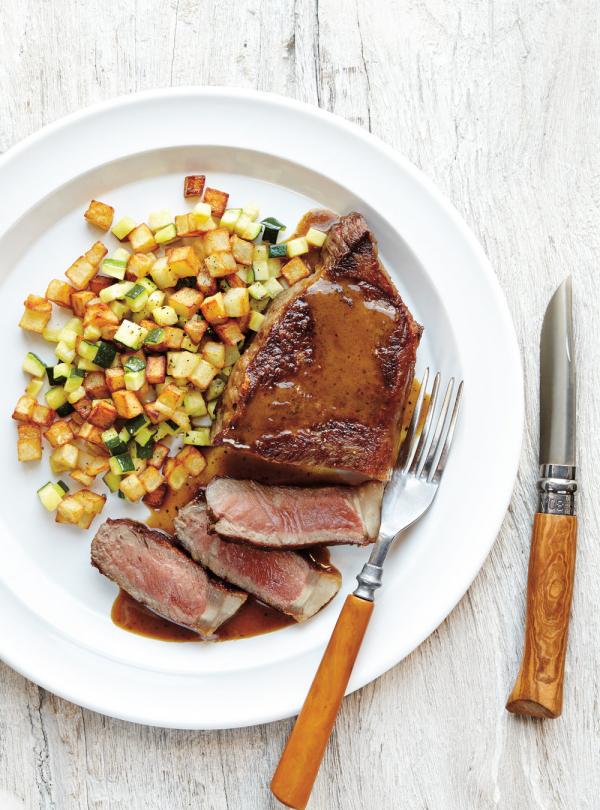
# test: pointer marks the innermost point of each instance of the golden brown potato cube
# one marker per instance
(205, 282)
(127, 404)
(177, 477)
(151, 479)
(99, 315)
(155, 499)
(217, 201)
(42, 415)
(139, 265)
(170, 398)
(197, 226)
(82, 477)
(100, 283)
(193, 185)
(217, 241)
(173, 337)
(36, 315)
(220, 264)
(242, 250)
(195, 329)
(142, 239)
(154, 414)
(69, 510)
(90, 433)
(24, 408)
(108, 332)
(159, 455)
(59, 292)
(132, 487)
(203, 374)
(186, 301)
(96, 253)
(213, 309)
(29, 443)
(235, 281)
(156, 369)
(60, 433)
(103, 413)
(115, 379)
(192, 459)
(83, 407)
(230, 332)
(183, 261)
(64, 458)
(214, 353)
(92, 464)
(100, 215)
(244, 322)
(95, 385)
(92, 504)
(182, 224)
(294, 270)
(79, 301)
(236, 301)
(81, 272)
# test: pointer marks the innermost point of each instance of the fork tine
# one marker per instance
(439, 470)
(416, 461)
(437, 434)
(409, 440)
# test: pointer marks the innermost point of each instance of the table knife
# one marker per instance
(538, 690)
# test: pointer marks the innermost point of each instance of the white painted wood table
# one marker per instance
(498, 102)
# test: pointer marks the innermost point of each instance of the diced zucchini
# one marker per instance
(50, 495)
(214, 391)
(34, 387)
(92, 332)
(132, 426)
(144, 451)
(74, 380)
(274, 266)
(315, 238)
(156, 298)
(121, 464)
(165, 316)
(112, 481)
(272, 287)
(154, 337)
(158, 220)
(193, 403)
(64, 353)
(56, 397)
(33, 365)
(277, 251)
(255, 322)
(105, 354)
(230, 218)
(87, 365)
(166, 428)
(200, 437)
(272, 229)
(205, 421)
(121, 255)
(62, 486)
(114, 442)
(202, 211)
(297, 247)
(257, 291)
(131, 334)
(66, 408)
(87, 350)
(134, 380)
(123, 227)
(232, 355)
(166, 235)
(119, 309)
(137, 297)
(251, 210)
(212, 407)
(60, 373)
(51, 333)
(115, 268)
(115, 291)
(144, 436)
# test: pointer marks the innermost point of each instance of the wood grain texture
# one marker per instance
(301, 759)
(538, 690)
(499, 103)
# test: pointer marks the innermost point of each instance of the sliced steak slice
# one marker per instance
(153, 571)
(324, 383)
(286, 580)
(294, 517)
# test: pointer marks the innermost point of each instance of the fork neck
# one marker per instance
(370, 577)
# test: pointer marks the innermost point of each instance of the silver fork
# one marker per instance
(408, 495)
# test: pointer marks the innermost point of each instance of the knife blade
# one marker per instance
(538, 690)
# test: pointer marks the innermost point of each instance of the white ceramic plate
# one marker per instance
(289, 157)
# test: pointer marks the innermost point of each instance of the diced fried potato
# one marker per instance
(294, 270)
(217, 200)
(70, 510)
(154, 414)
(198, 225)
(155, 499)
(103, 413)
(81, 272)
(193, 185)
(91, 433)
(242, 250)
(169, 399)
(36, 315)
(60, 433)
(195, 329)
(96, 253)
(192, 459)
(42, 415)
(82, 477)
(83, 407)
(183, 261)
(182, 224)
(159, 455)
(177, 476)
(127, 404)
(205, 282)
(91, 463)
(132, 487)
(29, 443)
(220, 264)
(229, 332)
(217, 241)
(95, 385)
(203, 374)
(173, 337)
(115, 379)
(151, 479)
(186, 302)
(155, 369)
(213, 309)
(100, 283)
(59, 292)
(79, 301)
(182, 420)
(100, 215)
(100, 315)
(214, 353)
(24, 408)
(234, 280)
(142, 239)
(92, 505)
(139, 265)
(236, 302)
(64, 458)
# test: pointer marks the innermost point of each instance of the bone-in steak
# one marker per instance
(294, 517)
(150, 568)
(286, 580)
(325, 381)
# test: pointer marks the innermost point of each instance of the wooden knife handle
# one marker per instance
(299, 764)
(538, 690)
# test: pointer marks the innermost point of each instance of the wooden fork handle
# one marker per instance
(538, 690)
(301, 758)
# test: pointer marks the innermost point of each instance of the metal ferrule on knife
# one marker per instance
(557, 486)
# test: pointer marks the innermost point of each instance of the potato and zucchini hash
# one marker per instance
(155, 329)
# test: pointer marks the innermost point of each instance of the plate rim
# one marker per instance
(457, 221)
